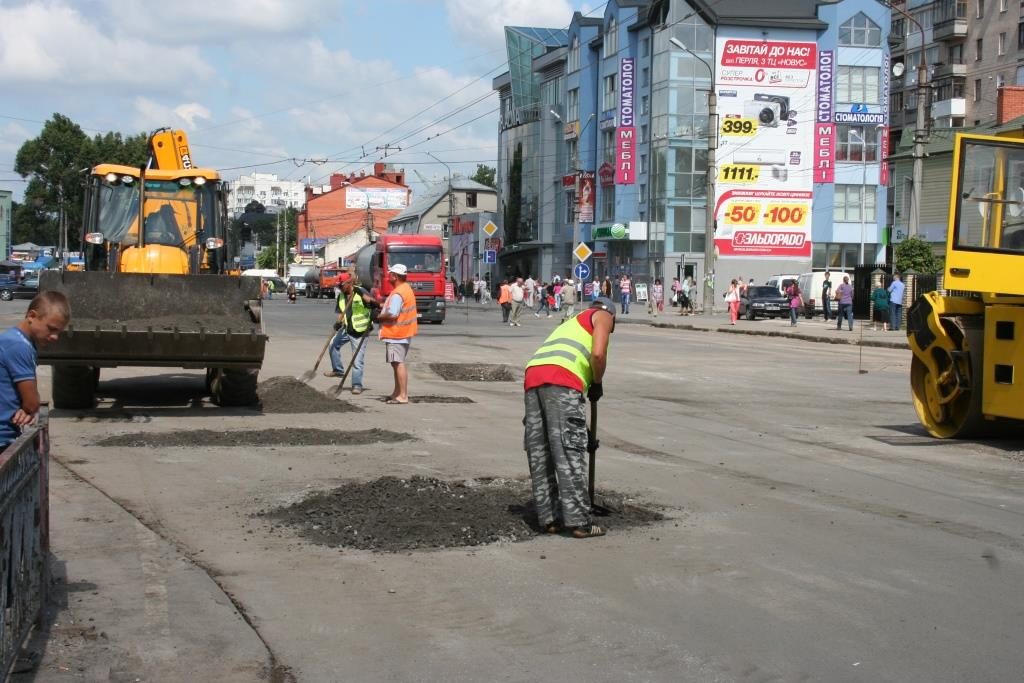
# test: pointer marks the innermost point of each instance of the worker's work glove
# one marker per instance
(338, 326)
(595, 392)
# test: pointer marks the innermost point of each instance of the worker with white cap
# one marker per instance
(397, 328)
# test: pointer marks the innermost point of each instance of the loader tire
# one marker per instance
(234, 387)
(74, 387)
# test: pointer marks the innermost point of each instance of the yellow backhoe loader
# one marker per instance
(155, 289)
(968, 340)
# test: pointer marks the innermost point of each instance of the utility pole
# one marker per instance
(709, 225)
(277, 243)
(451, 197)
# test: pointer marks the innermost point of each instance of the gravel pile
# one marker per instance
(289, 395)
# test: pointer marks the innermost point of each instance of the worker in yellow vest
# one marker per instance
(569, 365)
(397, 328)
(354, 306)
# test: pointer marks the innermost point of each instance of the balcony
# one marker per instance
(950, 20)
(949, 71)
(956, 106)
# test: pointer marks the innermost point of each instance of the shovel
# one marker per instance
(592, 444)
(310, 374)
(359, 347)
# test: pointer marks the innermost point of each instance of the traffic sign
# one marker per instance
(490, 256)
(490, 228)
(582, 251)
(581, 271)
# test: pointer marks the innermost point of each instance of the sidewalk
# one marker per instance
(814, 330)
(126, 605)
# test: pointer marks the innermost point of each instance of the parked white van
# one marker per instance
(810, 288)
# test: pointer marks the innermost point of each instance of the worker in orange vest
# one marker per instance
(398, 327)
(505, 300)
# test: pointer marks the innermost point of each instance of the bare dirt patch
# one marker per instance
(474, 372)
(422, 513)
(289, 436)
(289, 395)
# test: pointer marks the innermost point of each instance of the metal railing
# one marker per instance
(24, 538)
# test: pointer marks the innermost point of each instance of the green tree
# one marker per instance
(56, 163)
(917, 253)
(485, 175)
(267, 258)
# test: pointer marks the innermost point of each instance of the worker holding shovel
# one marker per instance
(568, 365)
(352, 327)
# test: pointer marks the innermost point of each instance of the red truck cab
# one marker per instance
(422, 255)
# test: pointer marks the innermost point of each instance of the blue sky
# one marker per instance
(268, 85)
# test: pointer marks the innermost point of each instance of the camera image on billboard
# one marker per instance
(767, 110)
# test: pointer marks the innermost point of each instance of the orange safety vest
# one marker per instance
(406, 326)
(505, 295)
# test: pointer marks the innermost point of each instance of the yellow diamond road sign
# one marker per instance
(582, 251)
(490, 228)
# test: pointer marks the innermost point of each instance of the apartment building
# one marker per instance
(266, 188)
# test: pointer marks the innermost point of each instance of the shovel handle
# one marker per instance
(323, 351)
(359, 347)
(592, 450)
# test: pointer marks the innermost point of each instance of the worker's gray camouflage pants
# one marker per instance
(556, 448)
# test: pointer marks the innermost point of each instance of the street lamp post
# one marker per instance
(709, 226)
(451, 197)
(920, 127)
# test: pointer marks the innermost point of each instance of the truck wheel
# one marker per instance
(233, 387)
(6, 295)
(74, 387)
(750, 314)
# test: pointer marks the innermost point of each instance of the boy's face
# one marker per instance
(45, 326)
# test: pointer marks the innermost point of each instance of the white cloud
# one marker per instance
(54, 44)
(150, 114)
(484, 21)
(201, 21)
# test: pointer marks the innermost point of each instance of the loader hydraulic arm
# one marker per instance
(169, 150)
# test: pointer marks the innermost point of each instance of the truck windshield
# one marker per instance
(422, 260)
(990, 211)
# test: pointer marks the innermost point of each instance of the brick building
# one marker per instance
(350, 204)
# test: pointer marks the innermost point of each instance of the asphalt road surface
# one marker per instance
(815, 533)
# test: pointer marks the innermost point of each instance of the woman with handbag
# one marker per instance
(732, 299)
(796, 301)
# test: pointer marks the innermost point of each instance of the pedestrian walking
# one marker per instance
(896, 291)
(625, 290)
(505, 301)
(517, 296)
(676, 287)
(568, 299)
(530, 286)
(844, 295)
(398, 326)
(658, 292)
(478, 285)
(826, 296)
(556, 290)
(880, 299)
(569, 365)
(595, 289)
(47, 315)
(606, 287)
(732, 301)
(796, 300)
(354, 307)
(290, 291)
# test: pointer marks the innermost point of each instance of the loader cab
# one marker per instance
(182, 213)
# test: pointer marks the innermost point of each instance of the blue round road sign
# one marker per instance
(581, 271)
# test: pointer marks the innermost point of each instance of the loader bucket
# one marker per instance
(185, 321)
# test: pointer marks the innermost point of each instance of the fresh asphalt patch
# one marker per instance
(474, 372)
(289, 395)
(423, 513)
(287, 436)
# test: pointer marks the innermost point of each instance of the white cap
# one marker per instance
(398, 269)
(568, 282)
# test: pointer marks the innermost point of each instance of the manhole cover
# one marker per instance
(289, 395)
(391, 514)
(290, 436)
(473, 372)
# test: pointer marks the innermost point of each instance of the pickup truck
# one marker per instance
(10, 288)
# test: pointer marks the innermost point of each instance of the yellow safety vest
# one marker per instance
(568, 346)
(360, 313)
